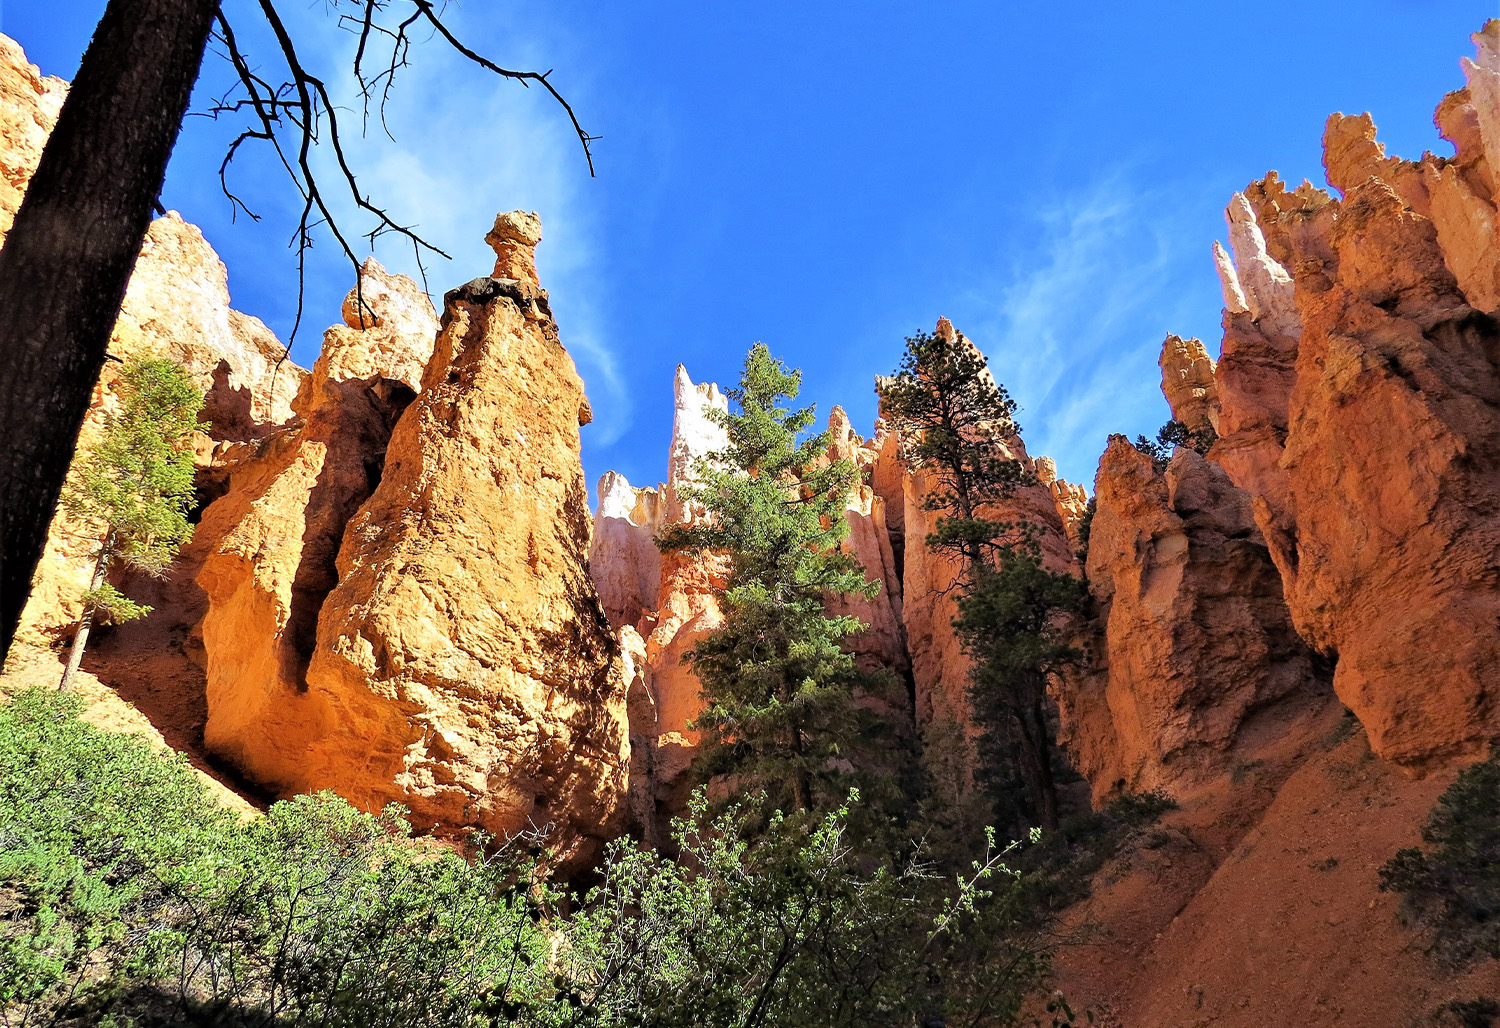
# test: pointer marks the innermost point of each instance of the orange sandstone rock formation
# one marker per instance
(1187, 380)
(399, 602)
(273, 539)
(1072, 500)
(1365, 427)
(883, 642)
(686, 608)
(29, 105)
(624, 560)
(1196, 638)
(464, 660)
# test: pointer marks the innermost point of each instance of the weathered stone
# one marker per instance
(514, 239)
(624, 560)
(176, 306)
(1258, 277)
(29, 105)
(1195, 639)
(1187, 381)
(464, 659)
(1371, 445)
(686, 609)
(1072, 501)
(268, 547)
(388, 332)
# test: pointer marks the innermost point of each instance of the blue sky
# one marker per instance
(829, 178)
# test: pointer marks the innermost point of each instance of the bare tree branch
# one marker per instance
(297, 114)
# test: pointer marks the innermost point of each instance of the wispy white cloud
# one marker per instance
(1073, 326)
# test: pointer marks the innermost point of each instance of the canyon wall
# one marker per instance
(176, 306)
(1345, 516)
(386, 593)
(1195, 637)
(1358, 389)
(399, 604)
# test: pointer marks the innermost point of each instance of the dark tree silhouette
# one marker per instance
(68, 258)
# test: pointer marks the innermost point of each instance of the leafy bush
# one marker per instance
(791, 930)
(129, 897)
(95, 831)
(129, 893)
(1452, 891)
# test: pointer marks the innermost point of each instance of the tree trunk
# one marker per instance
(1036, 764)
(68, 258)
(801, 786)
(86, 622)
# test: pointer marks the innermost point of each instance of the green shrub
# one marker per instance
(791, 930)
(126, 892)
(129, 897)
(1452, 891)
(96, 830)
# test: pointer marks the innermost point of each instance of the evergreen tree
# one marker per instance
(134, 488)
(955, 421)
(778, 689)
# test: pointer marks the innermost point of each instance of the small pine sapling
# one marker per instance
(133, 490)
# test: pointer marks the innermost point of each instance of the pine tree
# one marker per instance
(955, 422)
(134, 489)
(778, 689)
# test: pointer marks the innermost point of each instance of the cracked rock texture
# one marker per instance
(398, 600)
(1365, 428)
(1196, 641)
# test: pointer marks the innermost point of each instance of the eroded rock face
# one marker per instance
(624, 560)
(176, 306)
(1187, 381)
(388, 332)
(882, 645)
(1197, 642)
(29, 105)
(1369, 437)
(1072, 501)
(269, 545)
(464, 659)
(687, 608)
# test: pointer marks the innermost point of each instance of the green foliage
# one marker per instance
(1452, 891)
(778, 688)
(330, 915)
(1086, 526)
(955, 422)
(135, 485)
(129, 893)
(1172, 435)
(1010, 623)
(110, 606)
(790, 930)
(955, 418)
(127, 896)
(95, 830)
